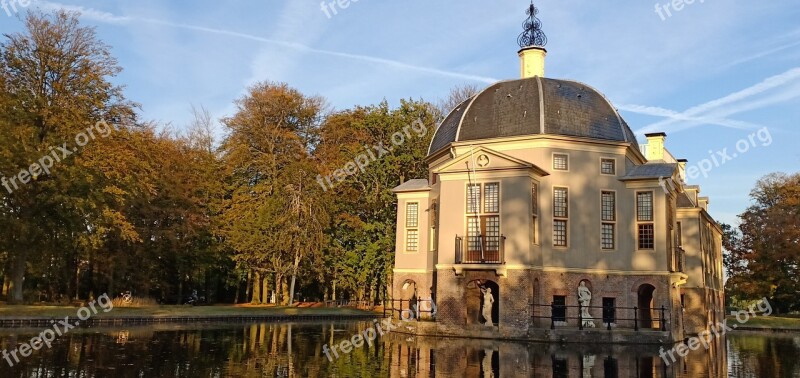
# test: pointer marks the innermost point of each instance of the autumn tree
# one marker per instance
(360, 254)
(763, 257)
(269, 218)
(55, 84)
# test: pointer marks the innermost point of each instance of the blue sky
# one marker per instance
(709, 75)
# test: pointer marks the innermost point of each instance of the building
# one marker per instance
(540, 196)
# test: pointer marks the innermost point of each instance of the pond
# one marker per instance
(304, 350)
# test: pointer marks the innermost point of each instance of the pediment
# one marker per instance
(482, 159)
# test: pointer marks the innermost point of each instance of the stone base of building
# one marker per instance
(560, 336)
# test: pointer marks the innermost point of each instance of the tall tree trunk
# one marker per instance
(265, 290)
(6, 283)
(294, 277)
(278, 289)
(256, 288)
(17, 279)
(248, 286)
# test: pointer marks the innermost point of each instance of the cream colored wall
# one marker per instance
(420, 260)
(585, 185)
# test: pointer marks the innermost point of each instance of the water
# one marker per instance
(296, 350)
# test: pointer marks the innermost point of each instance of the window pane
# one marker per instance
(412, 241)
(609, 212)
(412, 214)
(492, 198)
(473, 198)
(473, 233)
(609, 310)
(646, 236)
(535, 199)
(644, 205)
(560, 162)
(608, 236)
(492, 234)
(560, 203)
(559, 308)
(608, 166)
(560, 233)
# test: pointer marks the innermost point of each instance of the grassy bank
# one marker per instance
(12, 312)
(768, 323)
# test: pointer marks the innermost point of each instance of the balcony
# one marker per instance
(481, 253)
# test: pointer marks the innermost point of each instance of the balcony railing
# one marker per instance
(488, 251)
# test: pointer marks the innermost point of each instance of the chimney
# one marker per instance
(704, 203)
(682, 168)
(532, 61)
(655, 146)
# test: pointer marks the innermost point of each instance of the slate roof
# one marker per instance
(530, 107)
(650, 171)
(413, 186)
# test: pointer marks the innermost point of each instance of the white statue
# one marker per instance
(585, 298)
(588, 364)
(487, 363)
(488, 304)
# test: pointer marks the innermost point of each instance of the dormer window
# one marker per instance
(608, 167)
(561, 162)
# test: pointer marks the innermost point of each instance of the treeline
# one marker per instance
(763, 253)
(284, 203)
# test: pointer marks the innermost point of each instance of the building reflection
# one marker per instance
(296, 350)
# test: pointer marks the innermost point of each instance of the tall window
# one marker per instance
(535, 212)
(608, 166)
(560, 216)
(412, 227)
(608, 210)
(644, 218)
(609, 310)
(483, 223)
(560, 162)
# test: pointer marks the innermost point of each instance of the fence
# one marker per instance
(414, 307)
(560, 315)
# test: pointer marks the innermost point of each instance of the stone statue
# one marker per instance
(585, 298)
(487, 363)
(488, 304)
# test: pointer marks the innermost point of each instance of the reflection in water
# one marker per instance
(295, 350)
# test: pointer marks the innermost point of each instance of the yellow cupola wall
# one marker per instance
(531, 61)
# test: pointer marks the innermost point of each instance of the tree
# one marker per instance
(457, 95)
(765, 260)
(270, 218)
(360, 252)
(55, 84)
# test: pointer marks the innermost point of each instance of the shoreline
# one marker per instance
(38, 316)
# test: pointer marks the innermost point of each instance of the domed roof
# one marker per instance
(533, 106)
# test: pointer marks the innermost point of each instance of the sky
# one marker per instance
(714, 75)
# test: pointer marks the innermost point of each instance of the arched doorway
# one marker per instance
(476, 299)
(646, 304)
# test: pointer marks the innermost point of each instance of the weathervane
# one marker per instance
(533, 34)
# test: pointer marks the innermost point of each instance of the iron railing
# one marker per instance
(484, 255)
(409, 309)
(651, 318)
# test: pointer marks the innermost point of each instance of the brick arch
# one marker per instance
(644, 280)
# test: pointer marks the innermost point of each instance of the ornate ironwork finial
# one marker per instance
(532, 34)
